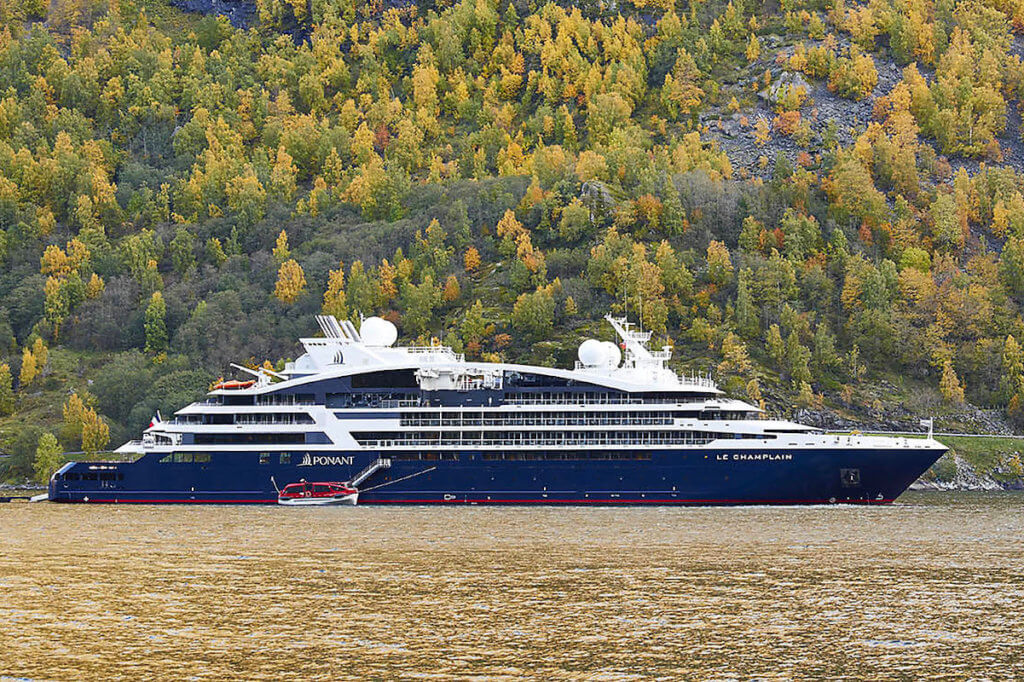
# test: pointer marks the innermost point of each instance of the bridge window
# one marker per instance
(397, 378)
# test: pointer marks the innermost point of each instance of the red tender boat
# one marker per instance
(303, 494)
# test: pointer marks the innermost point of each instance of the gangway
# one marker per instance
(370, 470)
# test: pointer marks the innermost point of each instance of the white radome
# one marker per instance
(376, 331)
(612, 354)
(591, 353)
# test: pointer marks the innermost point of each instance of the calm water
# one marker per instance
(933, 585)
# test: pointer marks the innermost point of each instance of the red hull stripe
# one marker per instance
(665, 501)
(661, 501)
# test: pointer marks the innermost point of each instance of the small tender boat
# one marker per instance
(233, 385)
(310, 494)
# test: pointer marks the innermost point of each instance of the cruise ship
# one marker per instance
(422, 425)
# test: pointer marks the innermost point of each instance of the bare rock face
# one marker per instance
(241, 13)
(775, 92)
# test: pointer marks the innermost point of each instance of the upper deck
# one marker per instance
(342, 352)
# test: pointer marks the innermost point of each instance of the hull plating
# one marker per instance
(690, 477)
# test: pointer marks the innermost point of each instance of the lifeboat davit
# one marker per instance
(305, 494)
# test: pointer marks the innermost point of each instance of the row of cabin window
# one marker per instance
(643, 418)
(186, 458)
(470, 438)
(91, 476)
(204, 457)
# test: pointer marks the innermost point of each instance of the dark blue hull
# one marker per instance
(671, 477)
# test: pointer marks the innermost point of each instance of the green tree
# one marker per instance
(156, 324)
(182, 254)
(534, 314)
(363, 294)
(6, 390)
(48, 457)
(776, 347)
(747, 318)
(474, 327)
(419, 302)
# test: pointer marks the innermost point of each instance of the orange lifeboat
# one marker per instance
(233, 384)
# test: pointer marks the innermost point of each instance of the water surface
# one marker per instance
(933, 585)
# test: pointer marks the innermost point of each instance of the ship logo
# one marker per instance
(322, 460)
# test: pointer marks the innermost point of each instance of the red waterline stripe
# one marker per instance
(619, 501)
(524, 501)
(135, 500)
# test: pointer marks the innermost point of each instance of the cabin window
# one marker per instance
(286, 458)
(320, 488)
(88, 477)
(264, 458)
(201, 457)
(72, 477)
(108, 476)
(183, 457)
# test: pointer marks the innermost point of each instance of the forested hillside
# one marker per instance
(819, 201)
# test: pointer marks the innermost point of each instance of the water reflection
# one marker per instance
(933, 585)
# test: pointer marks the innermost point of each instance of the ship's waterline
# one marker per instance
(932, 586)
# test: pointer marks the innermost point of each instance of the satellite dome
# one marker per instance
(376, 331)
(612, 354)
(591, 353)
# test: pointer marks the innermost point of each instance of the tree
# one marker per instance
(281, 251)
(852, 192)
(48, 457)
(74, 412)
(156, 324)
(95, 433)
(419, 303)
(776, 347)
(282, 177)
(41, 353)
(335, 302)
(182, 256)
(29, 370)
(94, 287)
(747, 322)
(6, 390)
(719, 263)
(753, 50)
(734, 356)
(215, 252)
(805, 396)
(451, 289)
(246, 197)
(1011, 266)
(291, 282)
(534, 314)
(474, 327)
(575, 220)
(797, 357)
(949, 385)
(471, 261)
(362, 292)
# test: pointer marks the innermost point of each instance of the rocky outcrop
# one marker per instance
(241, 13)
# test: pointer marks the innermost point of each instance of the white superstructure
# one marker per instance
(354, 391)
